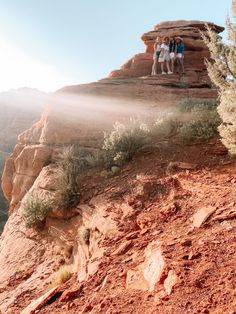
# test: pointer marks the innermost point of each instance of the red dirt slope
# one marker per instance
(159, 262)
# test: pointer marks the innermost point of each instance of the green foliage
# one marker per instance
(164, 128)
(35, 210)
(62, 275)
(222, 71)
(187, 104)
(122, 143)
(202, 125)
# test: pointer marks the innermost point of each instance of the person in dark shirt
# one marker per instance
(180, 50)
(172, 46)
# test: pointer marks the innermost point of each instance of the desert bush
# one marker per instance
(187, 104)
(121, 144)
(164, 128)
(35, 210)
(62, 275)
(69, 165)
(222, 71)
(202, 125)
(95, 159)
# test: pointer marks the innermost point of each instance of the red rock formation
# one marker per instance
(134, 231)
(196, 51)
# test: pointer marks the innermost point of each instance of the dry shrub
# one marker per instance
(35, 210)
(62, 275)
(67, 186)
(121, 144)
(202, 125)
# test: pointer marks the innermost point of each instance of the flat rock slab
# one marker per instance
(37, 304)
(202, 215)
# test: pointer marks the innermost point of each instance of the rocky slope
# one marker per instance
(18, 110)
(149, 248)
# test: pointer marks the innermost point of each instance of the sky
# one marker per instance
(47, 44)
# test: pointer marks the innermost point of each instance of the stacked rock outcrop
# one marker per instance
(196, 51)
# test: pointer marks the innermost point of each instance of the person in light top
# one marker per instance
(164, 57)
(172, 46)
(180, 50)
(157, 51)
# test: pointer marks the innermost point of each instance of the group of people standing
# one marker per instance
(168, 52)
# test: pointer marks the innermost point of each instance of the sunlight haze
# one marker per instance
(49, 44)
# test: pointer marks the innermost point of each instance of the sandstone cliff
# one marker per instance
(18, 110)
(149, 250)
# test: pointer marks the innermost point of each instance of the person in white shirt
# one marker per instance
(157, 51)
(164, 57)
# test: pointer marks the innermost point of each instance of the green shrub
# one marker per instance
(202, 125)
(187, 104)
(164, 128)
(69, 165)
(35, 210)
(62, 275)
(122, 143)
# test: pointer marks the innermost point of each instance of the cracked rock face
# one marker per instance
(148, 274)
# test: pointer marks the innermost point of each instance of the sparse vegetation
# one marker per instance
(122, 143)
(199, 123)
(95, 159)
(62, 275)
(222, 72)
(35, 210)
(202, 124)
(67, 186)
(164, 127)
(187, 104)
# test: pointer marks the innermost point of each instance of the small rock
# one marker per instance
(143, 231)
(115, 169)
(186, 242)
(123, 248)
(170, 282)
(87, 308)
(194, 255)
(132, 235)
(67, 295)
(168, 210)
(175, 165)
(202, 215)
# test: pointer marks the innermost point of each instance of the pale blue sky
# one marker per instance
(51, 43)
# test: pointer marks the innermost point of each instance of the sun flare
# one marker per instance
(18, 69)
